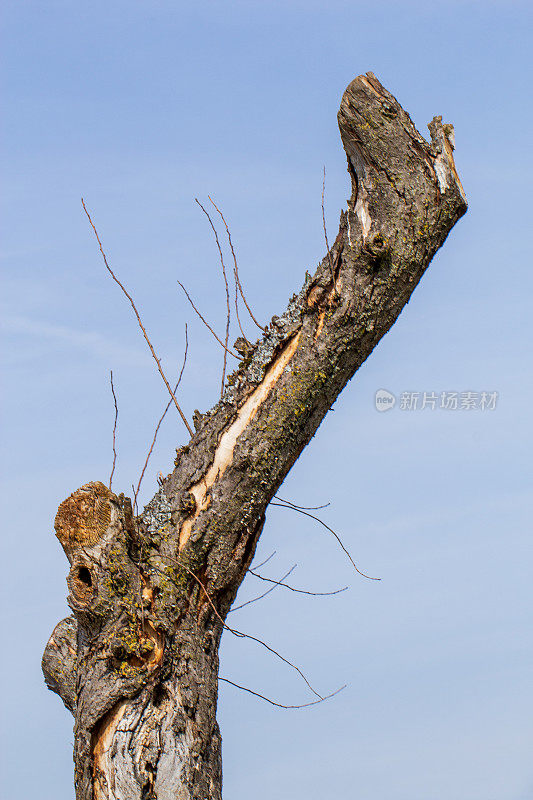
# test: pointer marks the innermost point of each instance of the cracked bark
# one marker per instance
(137, 662)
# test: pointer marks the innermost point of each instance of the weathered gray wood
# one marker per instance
(149, 594)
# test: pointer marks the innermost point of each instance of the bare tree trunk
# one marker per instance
(137, 663)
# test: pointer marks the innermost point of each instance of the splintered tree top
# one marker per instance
(83, 518)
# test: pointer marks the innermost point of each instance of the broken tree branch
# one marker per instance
(146, 675)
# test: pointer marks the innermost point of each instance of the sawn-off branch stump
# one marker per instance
(137, 662)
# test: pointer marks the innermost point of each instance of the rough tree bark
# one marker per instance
(137, 663)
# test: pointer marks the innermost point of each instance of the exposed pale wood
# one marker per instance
(224, 452)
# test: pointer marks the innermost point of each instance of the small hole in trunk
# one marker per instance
(84, 575)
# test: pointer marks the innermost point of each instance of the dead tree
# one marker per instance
(137, 662)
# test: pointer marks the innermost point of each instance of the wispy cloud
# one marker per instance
(92, 342)
(446, 515)
(22, 252)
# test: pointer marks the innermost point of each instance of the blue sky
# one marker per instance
(140, 107)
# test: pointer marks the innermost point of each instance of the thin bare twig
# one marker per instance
(228, 306)
(244, 336)
(207, 325)
(303, 508)
(135, 506)
(236, 273)
(326, 233)
(240, 634)
(292, 588)
(336, 535)
(255, 599)
(114, 431)
(282, 705)
(163, 417)
(143, 329)
(262, 564)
